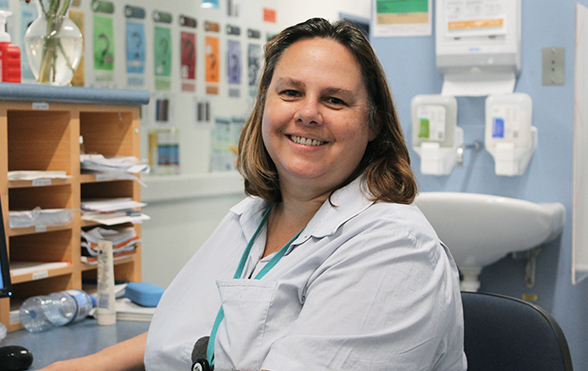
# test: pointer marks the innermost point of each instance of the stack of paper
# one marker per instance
(34, 175)
(110, 204)
(124, 243)
(40, 218)
(129, 311)
(113, 211)
(125, 164)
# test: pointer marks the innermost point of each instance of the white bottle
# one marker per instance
(40, 313)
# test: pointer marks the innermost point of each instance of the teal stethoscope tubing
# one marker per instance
(239, 272)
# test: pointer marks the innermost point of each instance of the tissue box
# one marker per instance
(143, 293)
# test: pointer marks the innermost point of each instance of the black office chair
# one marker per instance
(508, 334)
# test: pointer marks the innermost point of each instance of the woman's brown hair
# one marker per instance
(386, 163)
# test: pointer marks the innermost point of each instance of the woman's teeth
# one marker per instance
(306, 141)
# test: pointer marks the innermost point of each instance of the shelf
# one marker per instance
(40, 127)
(11, 232)
(71, 94)
(37, 183)
(37, 271)
(107, 177)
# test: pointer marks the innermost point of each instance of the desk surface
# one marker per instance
(77, 340)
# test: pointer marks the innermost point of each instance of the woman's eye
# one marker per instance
(335, 101)
(290, 93)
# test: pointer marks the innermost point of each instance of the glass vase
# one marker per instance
(53, 43)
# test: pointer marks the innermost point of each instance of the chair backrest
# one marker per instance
(508, 334)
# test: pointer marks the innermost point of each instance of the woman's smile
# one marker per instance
(305, 141)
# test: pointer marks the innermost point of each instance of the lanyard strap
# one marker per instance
(239, 272)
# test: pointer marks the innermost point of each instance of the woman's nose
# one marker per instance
(309, 112)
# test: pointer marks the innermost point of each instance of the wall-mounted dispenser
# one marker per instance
(510, 138)
(477, 45)
(435, 135)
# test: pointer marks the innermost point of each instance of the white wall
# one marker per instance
(185, 209)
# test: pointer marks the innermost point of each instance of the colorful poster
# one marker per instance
(254, 64)
(402, 18)
(188, 55)
(135, 47)
(188, 60)
(163, 57)
(234, 62)
(103, 43)
(254, 58)
(212, 59)
(162, 51)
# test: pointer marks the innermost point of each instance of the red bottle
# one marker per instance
(9, 53)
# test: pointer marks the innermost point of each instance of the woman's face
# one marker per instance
(315, 123)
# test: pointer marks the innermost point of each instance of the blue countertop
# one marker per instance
(73, 341)
(71, 94)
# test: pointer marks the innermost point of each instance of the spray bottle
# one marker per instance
(9, 53)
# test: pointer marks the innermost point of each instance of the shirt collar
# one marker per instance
(348, 202)
(344, 204)
(250, 212)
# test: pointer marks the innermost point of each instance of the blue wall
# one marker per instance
(410, 67)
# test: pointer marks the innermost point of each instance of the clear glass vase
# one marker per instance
(53, 43)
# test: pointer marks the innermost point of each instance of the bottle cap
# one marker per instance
(4, 36)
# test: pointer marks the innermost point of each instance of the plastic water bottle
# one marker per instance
(2, 332)
(40, 313)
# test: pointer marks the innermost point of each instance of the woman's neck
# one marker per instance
(286, 219)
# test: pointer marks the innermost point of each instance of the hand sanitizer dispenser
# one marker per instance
(510, 137)
(435, 135)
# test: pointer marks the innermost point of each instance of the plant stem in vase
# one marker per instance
(53, 43)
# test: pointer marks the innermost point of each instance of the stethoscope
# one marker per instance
(200, 363)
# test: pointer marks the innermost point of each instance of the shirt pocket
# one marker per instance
(240, 338)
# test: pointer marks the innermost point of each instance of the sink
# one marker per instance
(481, 229)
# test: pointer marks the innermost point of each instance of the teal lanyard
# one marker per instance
(239, 272)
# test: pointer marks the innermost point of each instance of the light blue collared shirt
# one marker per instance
(366, 286)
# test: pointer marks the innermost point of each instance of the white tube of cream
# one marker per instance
(106, 311)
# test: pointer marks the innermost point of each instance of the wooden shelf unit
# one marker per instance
(47, 138)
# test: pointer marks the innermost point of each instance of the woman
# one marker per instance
(328, 266)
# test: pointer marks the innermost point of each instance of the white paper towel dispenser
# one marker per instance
(478, 45)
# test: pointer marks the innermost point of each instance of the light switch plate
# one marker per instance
(553, 66)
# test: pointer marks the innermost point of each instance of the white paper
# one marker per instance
(34, 174)
(479, 84)
(111, 204)
(114, 218)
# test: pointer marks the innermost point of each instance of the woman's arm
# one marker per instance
(125, 356)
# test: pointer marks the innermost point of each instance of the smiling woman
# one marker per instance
(328, 265)
(315, 125)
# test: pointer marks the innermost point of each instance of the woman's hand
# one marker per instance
(77, 364)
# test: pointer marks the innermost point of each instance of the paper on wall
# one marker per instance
(479, 84)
